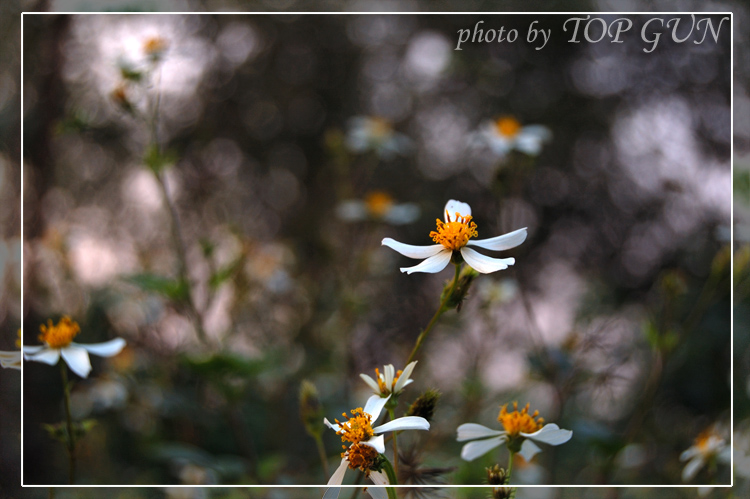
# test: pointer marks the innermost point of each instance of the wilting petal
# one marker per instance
(412, 251)
(692, 468)
(107, 349)
(500, 243)
(473, 450)
(370, 382)
(375, 405)
(33, 350)
(332, 426)
(379, 478)
(405, 423)
(529, 449)
(404, 380)
(452, 207)
(431, 265)
(11, 359)
(77, 359)
(378, 492)
(377, 443)
(485, 264)
(50, 356)
(471, 431)
(338, 476)
(550, 434)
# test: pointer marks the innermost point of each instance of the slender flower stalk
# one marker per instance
(442, 308)
(71, 439)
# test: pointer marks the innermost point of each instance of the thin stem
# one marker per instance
(391, 414)
(509, 471)
(69, 425)
(435, 317)
(322, 454)
(392, 480)
(177, 238)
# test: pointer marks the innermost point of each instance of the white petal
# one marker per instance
(725, 455)
(689, 453)
(390, 373)
(404, 380)
(692, 468)
(332, 426)
(107, 349)
(13, 360)
(370, 382)
(375, 405)
(470, 431)
(405, 423)
(332, 492)
(473, 450)
(351, 211)
(412, 251)
(550, 434)
(530, 139)
(401, 214)
(485, 264)
(49, 356)
(77, 359)
(377, 442)
(377, 492)
(431, 265)
(10, 355)
(379, 478)
(338, 475)
(500, 243)
(452, 207)
(34, 349)
(529, 449)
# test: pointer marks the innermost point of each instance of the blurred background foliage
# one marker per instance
(614, 322)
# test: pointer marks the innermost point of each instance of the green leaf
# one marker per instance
(157, 160)
(225, 273)
(175, 289)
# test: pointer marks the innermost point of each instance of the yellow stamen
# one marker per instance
(454, 235)
(516, 422)
(507, 126)
(380, 127)
(18, 341)
(381, 381)
(154, 46)
(357, 429)
(61, 335)
(378, 203)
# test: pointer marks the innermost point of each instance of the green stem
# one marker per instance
(391, 414)
(509, 471)
(177, 238)
(322, 454)
(435, 317)
(69, 425)
(391, 478)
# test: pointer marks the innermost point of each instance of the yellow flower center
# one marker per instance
(18, 341)
(61, 335)
(355, 430)
(378, 203)
(704, 440)
(379, 127)
(507, 126)
(516, 422)
(154, 46)
(381, 382)
(454, 235)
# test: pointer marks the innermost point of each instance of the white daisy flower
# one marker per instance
(454, 235)
(378, 206)
(707, 446)
(389, 381)
(371, 133)
(58, 342)
(506, 133)
(367, 443)
(520, 429)
(12, 359)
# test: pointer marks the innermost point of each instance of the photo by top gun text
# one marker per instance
(596, 29)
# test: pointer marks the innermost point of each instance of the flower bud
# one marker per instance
(496, 475)
(425, 405)
(456, 298)
(310, 410)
